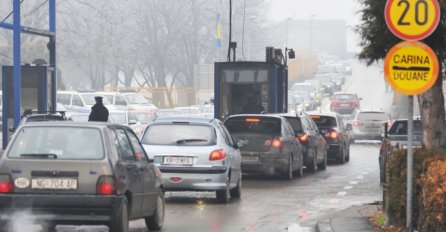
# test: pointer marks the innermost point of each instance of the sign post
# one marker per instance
(411, 67)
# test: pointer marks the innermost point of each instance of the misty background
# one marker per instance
(157, 43)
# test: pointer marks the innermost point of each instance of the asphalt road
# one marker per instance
(271, 204)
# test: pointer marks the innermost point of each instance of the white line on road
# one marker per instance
(360, 177)
(342, 193)
(297, 228)
(353, 182)
(348, 187)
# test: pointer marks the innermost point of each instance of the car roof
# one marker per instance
(71, 124)
(256, 115)
(332, 114)
(184, 118)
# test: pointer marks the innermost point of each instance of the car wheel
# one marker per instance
(323, 165)
(156, 221)
(348, 154)
(313, 165)
(341, 156)
(223, 195)
(121, 222)
(300, 171)
(288, 175)
(237, 191)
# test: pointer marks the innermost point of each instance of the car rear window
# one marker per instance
(57, 142)
(324, 121)
(295, 123)
(343, 97)
(254, 125)
(400, 127)
(179, 135)
(372, 116)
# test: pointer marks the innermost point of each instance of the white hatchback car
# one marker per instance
(195, 154)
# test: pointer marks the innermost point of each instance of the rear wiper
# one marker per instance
(40, 155)
(182, 141)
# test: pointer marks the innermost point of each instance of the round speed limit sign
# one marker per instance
(412, 19)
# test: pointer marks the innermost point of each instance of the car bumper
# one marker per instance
(358, 135)
(266, 163)
(194, 178)
(62, 209)
(342, 110)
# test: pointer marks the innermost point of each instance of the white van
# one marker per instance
(128, 100)
(78, 101)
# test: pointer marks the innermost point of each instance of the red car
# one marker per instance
(344, 103)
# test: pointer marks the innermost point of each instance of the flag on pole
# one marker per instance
(218, 34)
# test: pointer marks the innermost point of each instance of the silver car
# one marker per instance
(368, 124)
(79, 173)
(195, 154)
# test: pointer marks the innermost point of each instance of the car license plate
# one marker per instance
(250, 159)
(54, 183)
(345, 105)
(177, 160)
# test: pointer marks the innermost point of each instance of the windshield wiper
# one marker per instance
(182, 141)
(40, 155)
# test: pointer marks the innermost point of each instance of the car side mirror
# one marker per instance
(240, 144)
(349, 127)
(360, 98)
(11, 129)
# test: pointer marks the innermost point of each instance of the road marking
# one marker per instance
(360, 177)
(342, 193)
(297, 228)
(353, 182)
(348, 187)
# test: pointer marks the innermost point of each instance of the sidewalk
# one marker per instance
(353, 219)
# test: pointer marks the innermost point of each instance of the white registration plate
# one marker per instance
(54, 183)
(250, 159)
(177, 160)
(345, 105)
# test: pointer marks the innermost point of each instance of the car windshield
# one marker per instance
(137, 99)
(119, 118)
(324, 121)
(344, 97)
(179, 135)
(372, 116)
(89, 99)
(263, 125)
(142, 117)
(61, 142)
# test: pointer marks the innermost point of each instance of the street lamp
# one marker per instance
(309, 29)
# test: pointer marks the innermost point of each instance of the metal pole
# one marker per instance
(17, 63)
(409, 166)
(52, 48)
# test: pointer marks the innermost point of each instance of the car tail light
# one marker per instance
(357, 123)
(106, 185)
(277, 143)
(217, 154)
(334, 134)
(6, 184)
(304, 138)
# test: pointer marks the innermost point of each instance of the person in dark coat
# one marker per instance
(99, 112)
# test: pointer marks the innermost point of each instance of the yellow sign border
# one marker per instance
(398, 87)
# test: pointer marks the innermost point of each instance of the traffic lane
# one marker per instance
(272, 204)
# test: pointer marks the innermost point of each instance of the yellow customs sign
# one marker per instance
(412, 19)
(411, 67)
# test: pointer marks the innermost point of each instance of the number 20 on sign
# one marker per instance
(412, 19)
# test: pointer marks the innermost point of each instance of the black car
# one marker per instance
(396, 138)
(73, 173)
(335, 133)
(270, 144)
(313, 144)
